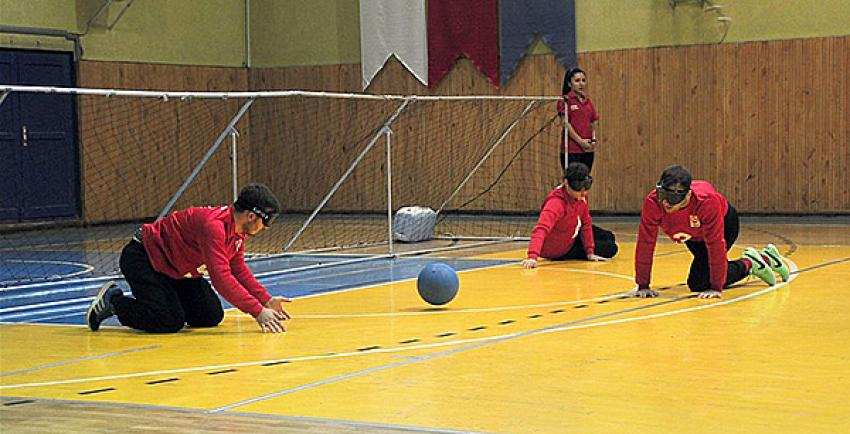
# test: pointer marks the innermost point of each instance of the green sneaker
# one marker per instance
(775, 261)
(759, 268)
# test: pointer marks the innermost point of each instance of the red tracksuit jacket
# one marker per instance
(192, 242)
(561, 220)
(701, 220)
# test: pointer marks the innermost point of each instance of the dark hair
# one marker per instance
(569, 76)
(576, 171)
(257, 195)
(675, 175)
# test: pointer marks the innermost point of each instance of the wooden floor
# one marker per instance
(555, 349)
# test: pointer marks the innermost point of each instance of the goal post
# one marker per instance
(342, 165)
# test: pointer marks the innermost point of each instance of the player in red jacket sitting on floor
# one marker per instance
(165, 262)
(694, 213)
(564, 217)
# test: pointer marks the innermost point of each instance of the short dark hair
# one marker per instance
(576, 171)
(675, 175)
(257, 195)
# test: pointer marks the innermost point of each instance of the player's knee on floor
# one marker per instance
(169, 324)
(698, 285)
(210, 320)
(606, 250)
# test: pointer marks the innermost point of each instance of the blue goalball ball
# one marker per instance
(437, 283)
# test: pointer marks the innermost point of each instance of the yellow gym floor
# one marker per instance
(554, 349)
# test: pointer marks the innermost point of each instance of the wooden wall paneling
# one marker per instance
(134, 136)
(818, 138)
(841, 111)
(742, 116)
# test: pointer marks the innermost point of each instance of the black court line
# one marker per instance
(792, 246)
(409, 341)
(536, 315)
(167, 380)
(825, 264)
(475, 329)
(580, 306)
(370, 348)
(557, 311)
(25, 401)
(89, 392)
(279, 362)
(506, 322)
(224, 371)
(440, 354)
(445, 335)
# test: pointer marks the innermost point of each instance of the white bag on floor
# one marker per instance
(414, 223)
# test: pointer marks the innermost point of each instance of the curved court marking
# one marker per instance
(86, 268)
(476, 342)
(484, 309)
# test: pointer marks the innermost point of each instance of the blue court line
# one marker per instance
(67, 304)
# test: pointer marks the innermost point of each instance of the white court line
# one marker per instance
(413, 347)
(483, 309)
(235, 312)
(86, 268)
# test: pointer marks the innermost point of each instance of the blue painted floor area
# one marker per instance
(66, 303)
(54, 265)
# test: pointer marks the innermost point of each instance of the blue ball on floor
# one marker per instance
(437, 283)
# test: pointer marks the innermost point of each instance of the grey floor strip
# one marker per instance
(67, 362)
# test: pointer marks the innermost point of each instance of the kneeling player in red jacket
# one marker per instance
(165, 262)
(564, 217)
(694, 213)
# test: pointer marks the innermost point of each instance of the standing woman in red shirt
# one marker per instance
(564, 229)
(694, 213)
(581, 120)
(165, 262)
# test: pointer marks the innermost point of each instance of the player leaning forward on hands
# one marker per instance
(564, 229)
(165, 262)
(694, 213)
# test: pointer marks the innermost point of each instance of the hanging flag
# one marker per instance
(393, 27)
(462, 27)
(523, 20)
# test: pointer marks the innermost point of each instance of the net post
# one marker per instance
(234, 171)
(566, 132)
(389, 133)
(486, 156)
(207, 156)
(348, 172)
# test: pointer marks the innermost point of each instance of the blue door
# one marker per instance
(40, 164)
(9, 146)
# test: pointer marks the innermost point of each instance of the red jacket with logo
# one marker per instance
(560, 222)
(192, 242)
(701, 220)
(582, 114)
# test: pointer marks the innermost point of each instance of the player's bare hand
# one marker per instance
(529, 263)
(645, 293)
(270, 321)
(710, 294)
(596, 258)
(276, 304)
